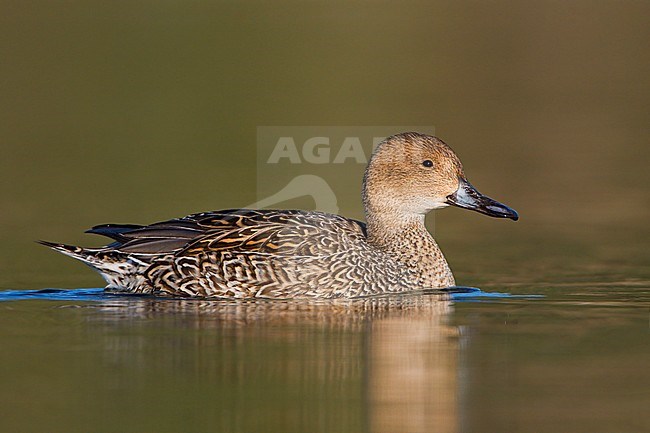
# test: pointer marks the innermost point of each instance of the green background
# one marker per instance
(139, 111)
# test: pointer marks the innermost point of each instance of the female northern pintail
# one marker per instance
(282, 254)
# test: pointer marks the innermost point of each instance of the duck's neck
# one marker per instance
(406, 239)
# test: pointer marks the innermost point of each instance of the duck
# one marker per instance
(298, 254)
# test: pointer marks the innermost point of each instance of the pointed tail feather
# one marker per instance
(120, 272)
(86, 255)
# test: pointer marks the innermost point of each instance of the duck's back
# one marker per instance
(244, 253)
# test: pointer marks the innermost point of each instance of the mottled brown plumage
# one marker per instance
(282, 254)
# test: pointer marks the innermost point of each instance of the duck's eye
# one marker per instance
(427, 163)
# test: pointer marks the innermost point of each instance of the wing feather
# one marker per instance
(242, 230)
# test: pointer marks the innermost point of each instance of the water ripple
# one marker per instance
(460, 294)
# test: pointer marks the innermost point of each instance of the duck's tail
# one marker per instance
(120, 272)
(107, 263)
(86, 255)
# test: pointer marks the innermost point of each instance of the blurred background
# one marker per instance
(143, 111)
(140, 111)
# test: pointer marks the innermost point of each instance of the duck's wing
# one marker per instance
(266, 231)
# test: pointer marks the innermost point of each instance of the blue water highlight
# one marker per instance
(458, 294)
(56, 295)
(474, 294)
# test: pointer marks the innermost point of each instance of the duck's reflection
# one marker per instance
(412, 379)
(399, 353)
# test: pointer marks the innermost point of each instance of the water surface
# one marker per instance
(135, 112)
(84, 361)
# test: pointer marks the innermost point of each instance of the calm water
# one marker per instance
(134, 112)
(573, 360)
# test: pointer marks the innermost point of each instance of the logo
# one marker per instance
(317, 167)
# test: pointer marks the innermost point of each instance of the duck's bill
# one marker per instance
(467, 197)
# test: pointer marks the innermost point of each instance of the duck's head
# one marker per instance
(412, 174)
